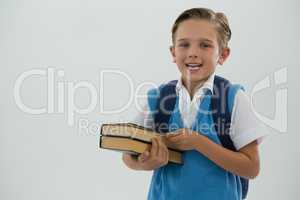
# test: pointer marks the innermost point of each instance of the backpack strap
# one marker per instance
(221, 105)
(221, 112)
(165, 106)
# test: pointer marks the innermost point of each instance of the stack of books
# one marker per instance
(131, 138)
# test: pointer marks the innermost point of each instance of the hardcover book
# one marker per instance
(131, 138)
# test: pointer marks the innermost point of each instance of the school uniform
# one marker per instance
(199, 177)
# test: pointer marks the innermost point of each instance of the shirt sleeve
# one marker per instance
(245, 127)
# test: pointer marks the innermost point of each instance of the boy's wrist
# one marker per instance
(197, 141)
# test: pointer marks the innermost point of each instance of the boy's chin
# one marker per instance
(195, 79)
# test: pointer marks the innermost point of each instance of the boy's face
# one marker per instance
(196, 51)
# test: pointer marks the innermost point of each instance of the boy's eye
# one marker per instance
(204, 45)
(183, 44)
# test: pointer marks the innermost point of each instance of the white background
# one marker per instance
(42, 157)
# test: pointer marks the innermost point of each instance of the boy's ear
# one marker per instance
(224, 55)
(172, 51)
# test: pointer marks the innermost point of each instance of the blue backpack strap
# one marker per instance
(152, 96)
(221, 112)
(221, 105)
(165, 106)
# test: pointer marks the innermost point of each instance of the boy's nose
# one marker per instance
(193, 56)
(193, 53)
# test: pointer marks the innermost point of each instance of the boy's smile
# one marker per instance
(196, 51)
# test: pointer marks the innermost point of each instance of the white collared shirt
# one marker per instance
(189, 108)
(244, 129)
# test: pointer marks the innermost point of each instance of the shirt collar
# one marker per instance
(209, 84)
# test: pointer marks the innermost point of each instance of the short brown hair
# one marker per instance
(218, 19)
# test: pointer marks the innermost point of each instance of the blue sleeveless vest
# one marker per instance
(198, 178)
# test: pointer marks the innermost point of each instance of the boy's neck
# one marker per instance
(192, 87)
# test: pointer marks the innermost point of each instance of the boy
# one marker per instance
(210, 171)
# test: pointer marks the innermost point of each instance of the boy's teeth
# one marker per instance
(193, 65)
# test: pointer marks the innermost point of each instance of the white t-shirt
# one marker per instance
(244, 129)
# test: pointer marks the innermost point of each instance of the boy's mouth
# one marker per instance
(193, 66)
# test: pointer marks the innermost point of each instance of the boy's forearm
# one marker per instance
(240, 163)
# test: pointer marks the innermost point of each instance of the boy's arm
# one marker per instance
(243, 163)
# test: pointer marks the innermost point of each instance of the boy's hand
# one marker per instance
(182, 139)
(151, 159)
(157, 157)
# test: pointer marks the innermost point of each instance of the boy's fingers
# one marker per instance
(165, 152)
(128, 156)
(140, 158)
(144, 156)
(173, 135)
(154, 147)
(173, 139)
(160, 152)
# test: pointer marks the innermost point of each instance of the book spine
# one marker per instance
(100, 141)
(101, 130)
